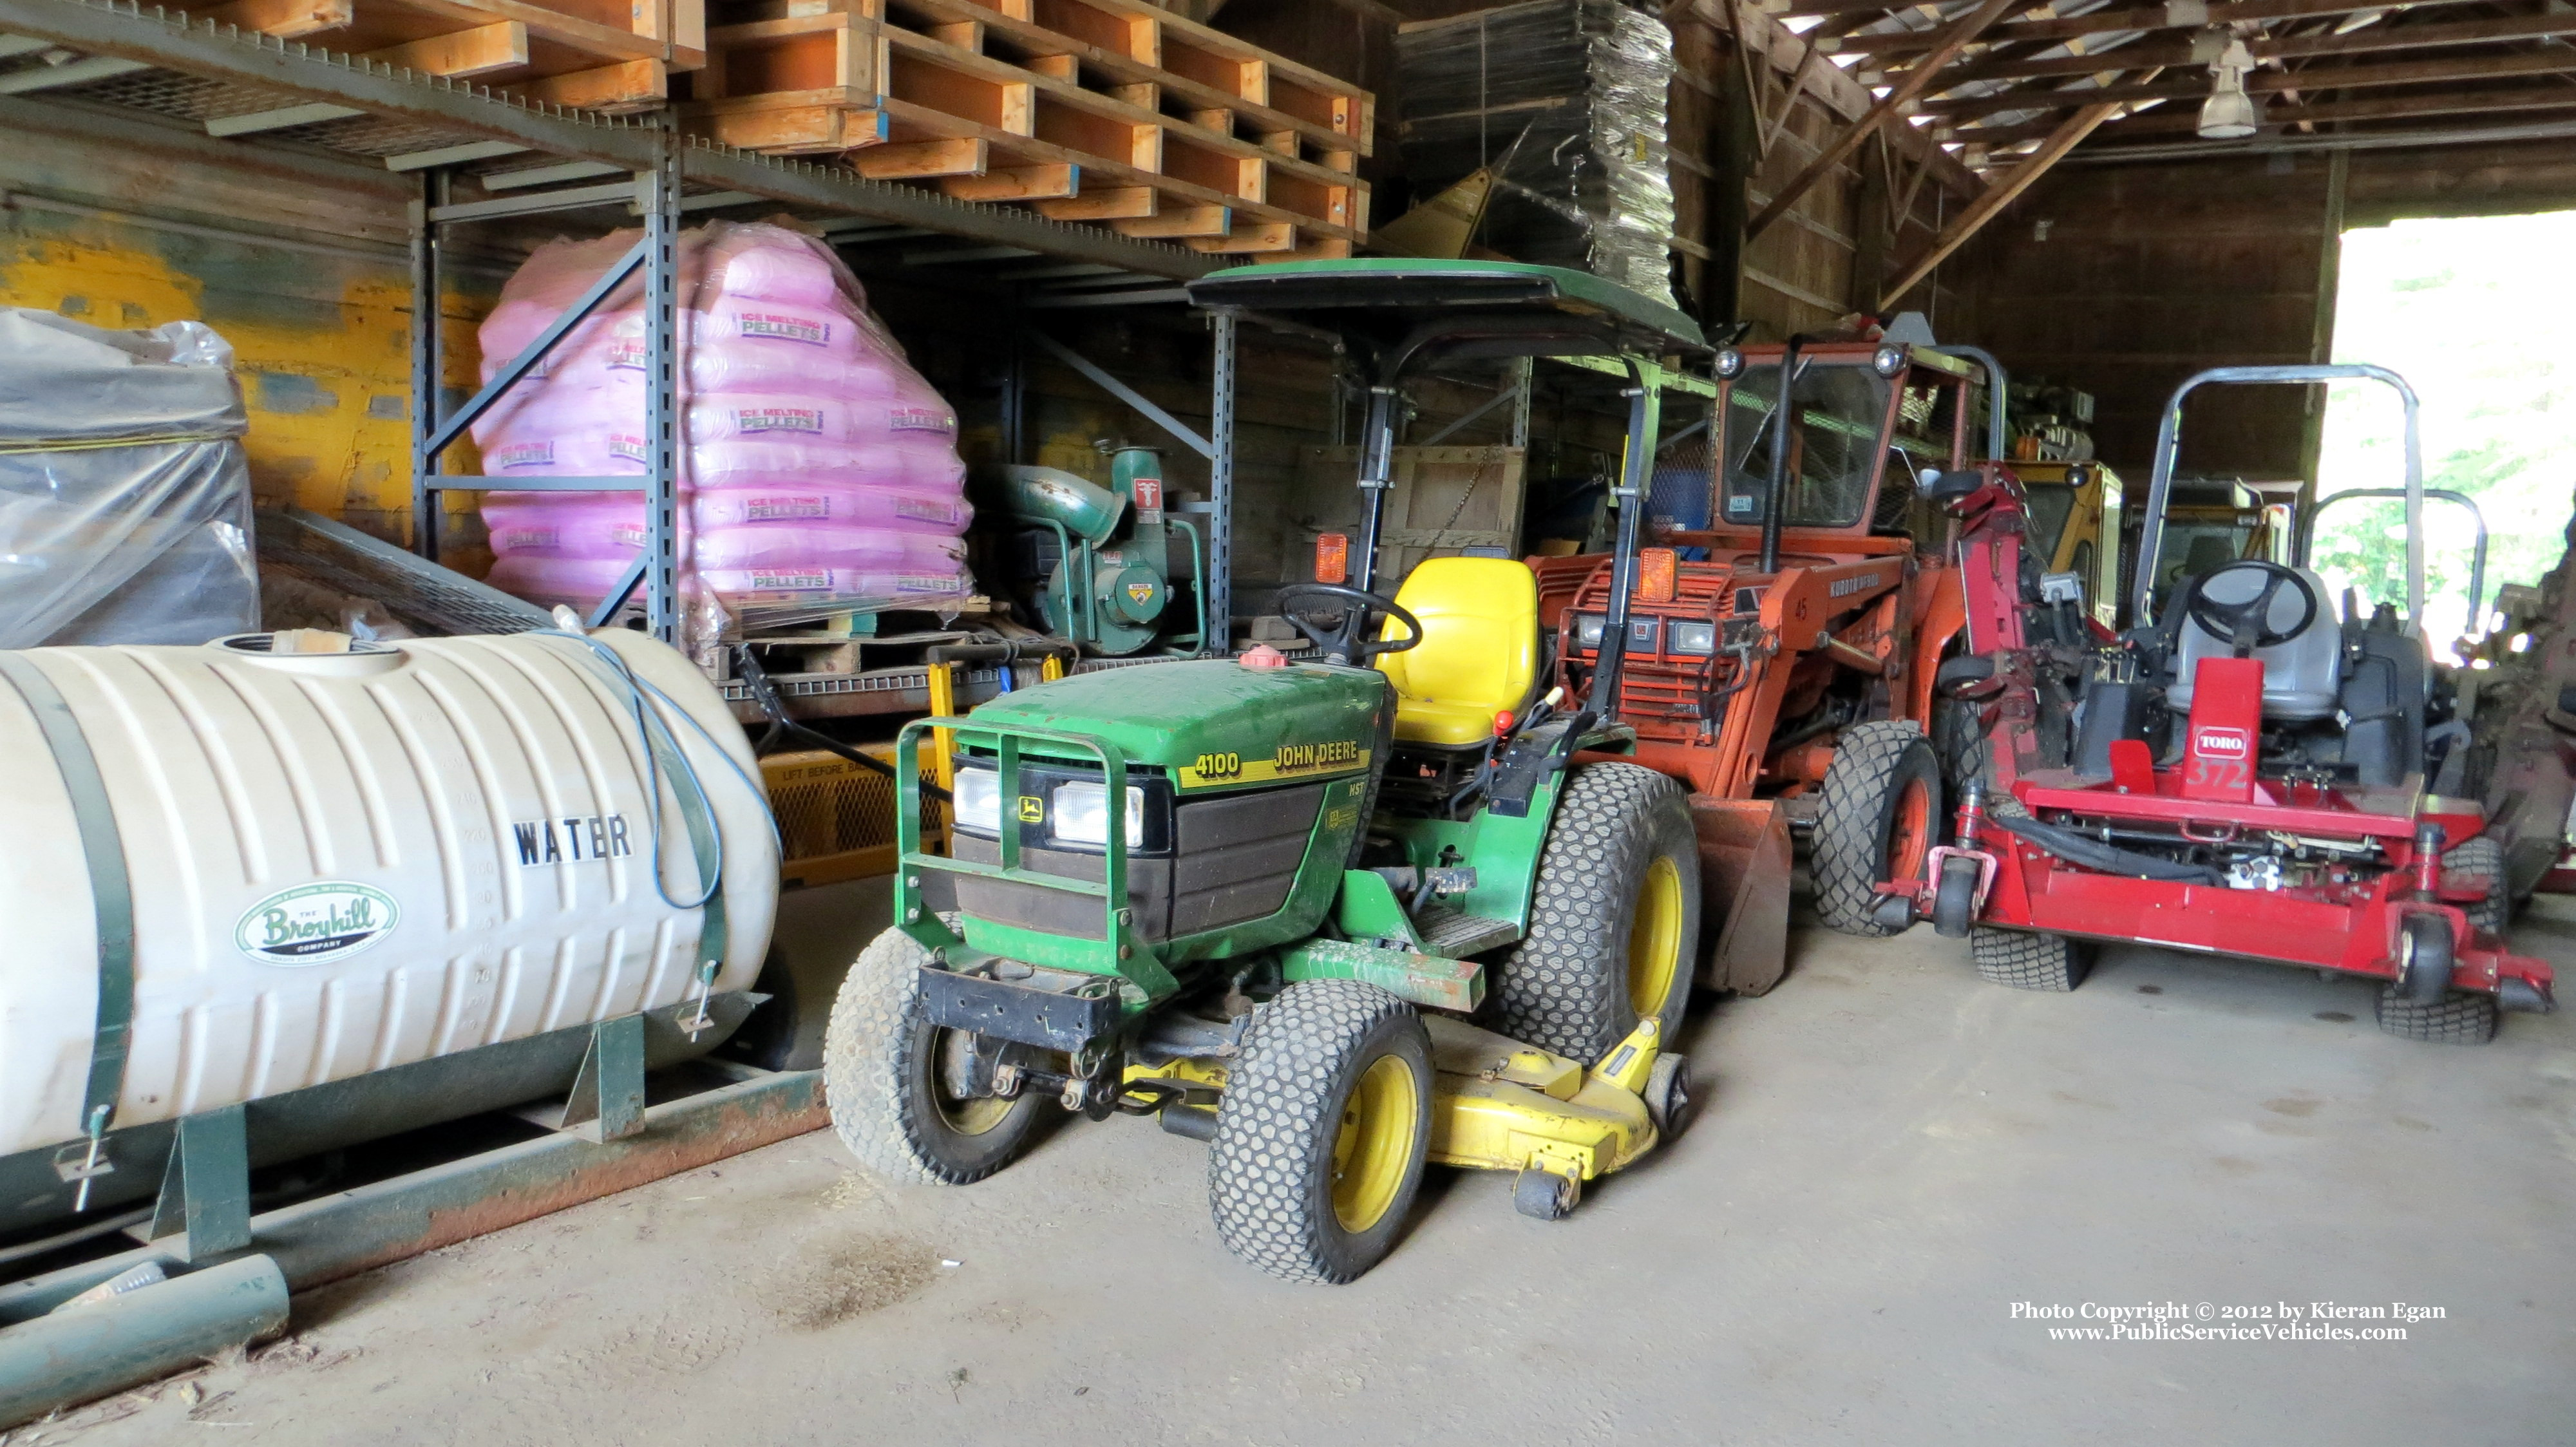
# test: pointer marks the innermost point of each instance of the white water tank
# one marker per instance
(341, 862)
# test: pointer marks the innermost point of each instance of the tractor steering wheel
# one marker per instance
(1348, 644)
(2247, 626)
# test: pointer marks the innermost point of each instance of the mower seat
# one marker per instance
(1479, 649)
(2302, 675)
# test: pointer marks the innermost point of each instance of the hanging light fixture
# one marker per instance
(2229, 113)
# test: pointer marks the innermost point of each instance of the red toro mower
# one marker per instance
(2244, 775)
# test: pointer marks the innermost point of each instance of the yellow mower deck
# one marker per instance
(1500, 1105)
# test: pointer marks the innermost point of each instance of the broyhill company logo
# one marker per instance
(314, 924)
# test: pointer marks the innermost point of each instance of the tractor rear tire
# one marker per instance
(1880, 816)
(1614, 919)
(2483, 855)
(2019, 960)
(1322, 1132)
(881, 1075)
(2463, 1017)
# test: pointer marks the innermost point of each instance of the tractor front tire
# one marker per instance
(1879, 817)
(2017, 960)
(1614, 919)
(881, 1074)
(1322, 1132)
(2462, 1017)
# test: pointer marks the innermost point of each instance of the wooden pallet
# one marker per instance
(1087, 110)
(604, 55)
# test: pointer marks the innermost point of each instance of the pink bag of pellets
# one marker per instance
(817, 468)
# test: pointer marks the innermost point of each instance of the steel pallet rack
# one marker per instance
(525, 159)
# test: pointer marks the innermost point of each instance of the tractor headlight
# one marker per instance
(1587, 631)
(975, 797)
(1082, 815)
(1698, 640)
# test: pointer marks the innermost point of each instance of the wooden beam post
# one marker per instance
(1997, 196)
(2556, 60)
(1892, 43)
(1889, 105)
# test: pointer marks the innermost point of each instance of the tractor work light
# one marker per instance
(1730, 363)
(1082, 815)
(1697, 640)
(1587, 631)
(1888, 361)
(975, 796)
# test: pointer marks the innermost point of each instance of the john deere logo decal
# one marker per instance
(314, 924)
(1032, 809)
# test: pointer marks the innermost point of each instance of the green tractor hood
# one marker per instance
(1213, 723)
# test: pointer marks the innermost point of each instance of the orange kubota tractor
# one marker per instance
(1781, 660)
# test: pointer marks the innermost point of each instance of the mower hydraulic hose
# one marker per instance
(2108, 858)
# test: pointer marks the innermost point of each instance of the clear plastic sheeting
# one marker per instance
(818, 473)
(125, 507)
(1565, 99)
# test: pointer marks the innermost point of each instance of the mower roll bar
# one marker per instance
(1997, 384)
(2477, 556)
(2169, 448)
(1534, 337)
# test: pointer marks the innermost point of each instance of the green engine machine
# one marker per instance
(1109, 555)
(1395, 904)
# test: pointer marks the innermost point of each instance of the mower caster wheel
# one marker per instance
(1543, 1195)
(2465, 1017)
(2425, 961)
(2050, 963)
(1669, 1101)
(1322, 1131)
(1954, 908)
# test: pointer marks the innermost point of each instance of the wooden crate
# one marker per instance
(836, 818)
(1445, 501)
(604, 55)
(1109, 111)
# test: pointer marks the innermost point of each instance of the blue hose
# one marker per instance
(652, 725)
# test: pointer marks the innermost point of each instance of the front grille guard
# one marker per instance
(1118, 951)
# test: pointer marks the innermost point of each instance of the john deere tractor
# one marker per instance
(1338, 917)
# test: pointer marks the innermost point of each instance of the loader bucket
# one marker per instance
(1744, 865)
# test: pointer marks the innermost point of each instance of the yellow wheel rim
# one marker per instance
(1375, 1146)
(964, 1114)
(1655, 938)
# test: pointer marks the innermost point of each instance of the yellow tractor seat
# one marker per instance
(1479, 649)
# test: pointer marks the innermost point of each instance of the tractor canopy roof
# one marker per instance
(1487, 308)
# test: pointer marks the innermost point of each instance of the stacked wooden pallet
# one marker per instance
(605, 55)
(1110, 111)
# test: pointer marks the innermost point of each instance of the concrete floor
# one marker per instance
(1893, 1155)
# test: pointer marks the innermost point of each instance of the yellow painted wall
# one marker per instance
(321, 345)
